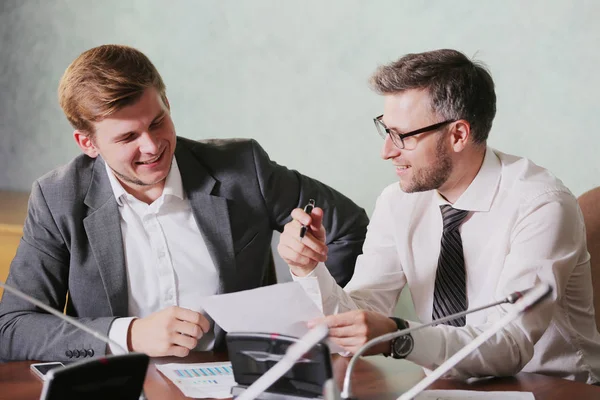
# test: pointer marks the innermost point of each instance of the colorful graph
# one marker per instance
(201, 380)
(204, 372)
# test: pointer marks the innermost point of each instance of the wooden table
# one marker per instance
(376, 378)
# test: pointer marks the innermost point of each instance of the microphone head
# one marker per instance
(533, 296)
(519, 294)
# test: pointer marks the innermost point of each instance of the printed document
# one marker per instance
(473, 395)
(201, 381)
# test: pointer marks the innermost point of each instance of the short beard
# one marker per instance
(435, 176)
(133, 181)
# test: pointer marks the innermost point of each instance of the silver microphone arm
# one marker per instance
(70, 320)
(537, 294)
(347, 391)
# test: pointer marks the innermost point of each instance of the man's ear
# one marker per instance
(461, 133)
(85, 143)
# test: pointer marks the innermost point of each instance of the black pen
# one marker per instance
(307, 209)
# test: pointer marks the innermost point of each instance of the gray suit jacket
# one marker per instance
(72, 240)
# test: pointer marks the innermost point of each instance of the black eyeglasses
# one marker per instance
(400, 139)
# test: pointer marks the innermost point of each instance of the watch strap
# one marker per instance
(400, 323)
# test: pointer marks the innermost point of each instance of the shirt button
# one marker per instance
(69, 353)
(90, 352)
(76, 353)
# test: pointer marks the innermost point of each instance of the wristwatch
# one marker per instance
(402, 345)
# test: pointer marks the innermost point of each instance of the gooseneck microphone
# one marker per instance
(292, 355)
(119, 377)
(537, 294)
(62, 316)
(518, 297)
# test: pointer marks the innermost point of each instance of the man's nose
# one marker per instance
(148, 143)
(389, 149)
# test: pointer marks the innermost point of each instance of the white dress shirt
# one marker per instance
(524, 227)
(166, 258)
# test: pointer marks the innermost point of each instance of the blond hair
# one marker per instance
(103, 80)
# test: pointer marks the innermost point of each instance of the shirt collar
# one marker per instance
(173, 183)
(480, 193)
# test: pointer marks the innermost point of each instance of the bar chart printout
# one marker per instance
(203, 380)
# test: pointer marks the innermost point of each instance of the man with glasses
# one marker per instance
(466, 226)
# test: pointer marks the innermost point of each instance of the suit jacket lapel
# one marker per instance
(103, 229)
(211, 213)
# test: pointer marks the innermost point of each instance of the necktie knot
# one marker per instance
(452, 217)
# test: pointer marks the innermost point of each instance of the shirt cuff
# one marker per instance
(428, 345)
(118, 333)
(310, 284)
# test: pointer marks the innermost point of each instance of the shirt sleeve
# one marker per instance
(546, 246)
(378, 276)
(346, 223)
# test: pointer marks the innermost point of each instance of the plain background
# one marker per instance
(293, 75)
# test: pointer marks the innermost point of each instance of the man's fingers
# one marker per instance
(350, 344)
(193, 317)
(187, 328)
(291, 238)
(308, 247)
(183, 340)
(314, 221)
(185, 314)
(178, 351)
(303, 218)
(204, 324)
(343, 328)
(317, 321)
(292, 257)
(314, 243)
(292, 229)
(190, 317)
(349, 331)
(317, 219)
(344, 319)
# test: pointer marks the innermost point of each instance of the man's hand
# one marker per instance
(352, 329)
(173, 331)
(303, 254)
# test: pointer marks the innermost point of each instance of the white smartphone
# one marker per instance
(41, 369)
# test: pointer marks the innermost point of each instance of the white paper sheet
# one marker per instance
(283, 308)
(473, 395)
(202, 380)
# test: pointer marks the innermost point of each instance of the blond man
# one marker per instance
(144, 224)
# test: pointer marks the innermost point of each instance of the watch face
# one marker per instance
(403, 346)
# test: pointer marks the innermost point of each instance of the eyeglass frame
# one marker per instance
(401, 136)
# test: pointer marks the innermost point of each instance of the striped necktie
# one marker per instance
(450, 293)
